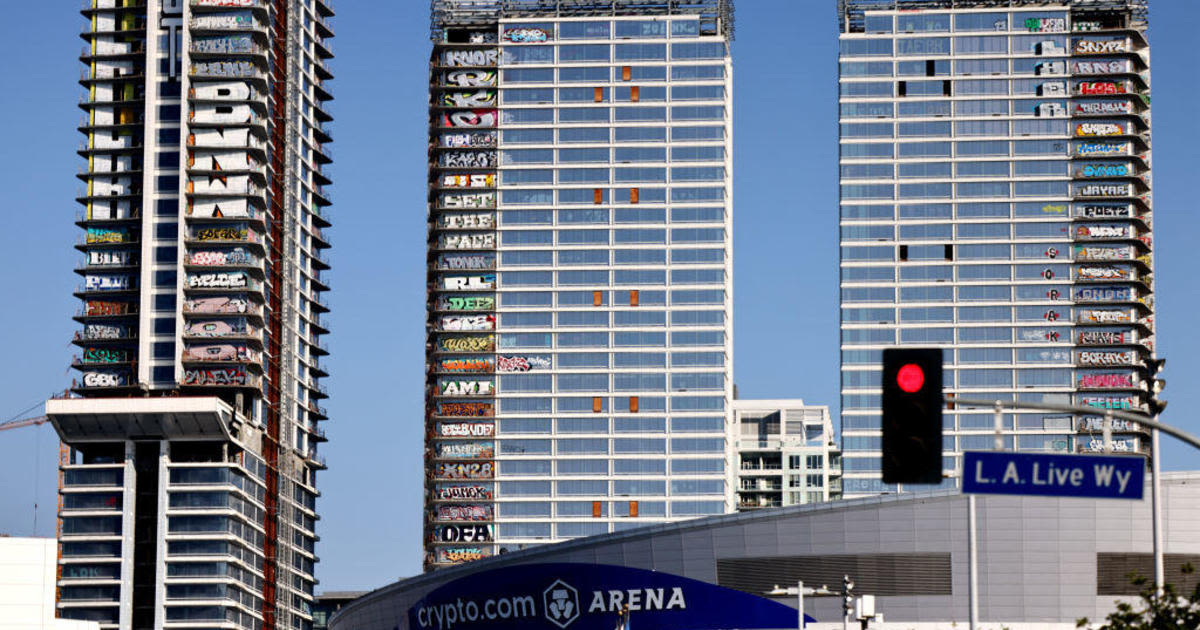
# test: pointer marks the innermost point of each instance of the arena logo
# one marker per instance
(573, 596)
(560, 605)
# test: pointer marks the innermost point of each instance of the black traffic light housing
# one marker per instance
(912, 415)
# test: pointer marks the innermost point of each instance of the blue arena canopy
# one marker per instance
(569, 596)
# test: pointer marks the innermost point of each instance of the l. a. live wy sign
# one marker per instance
(1095, 476)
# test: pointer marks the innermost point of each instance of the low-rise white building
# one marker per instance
(785, 453)
(27, 574)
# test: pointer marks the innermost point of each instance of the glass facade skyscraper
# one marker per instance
(995, 202)
(579, 331)
(189, 462)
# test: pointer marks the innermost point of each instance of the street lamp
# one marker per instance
(799, 591)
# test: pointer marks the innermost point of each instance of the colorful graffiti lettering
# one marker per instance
(1098, 211)
(1126, 445)
(1105, 316)
(1099, 46)
(469, 283)
(468, 58)
(95, 307)
(468, 140)
(478, 98)
(1102, 87)
(108, 258)
(105, 379)
(1104, 272)
(466, 388)
(467, 344)
(468, 159)
(105, 355)
(470, 118)
(217, 304)
(467, 241)
(222, 234)
(466, 303)
(1104, 337)
(105, 331)
(461, 492)
(467, 262)
(468, 322)
(216, 328)
(1100, 108)
(227, 280)
(470, 78)
(1104, 358)
(1099, 129)
(1085, 149)
(478, 180)
(1104, 252)
(522, 363)
(1103, 231)
(466, 429)
(107, 283)
(463, 470)
(1046, 25)
(1096, 423)
(464, 409)
(1103, 170)
(218, 352)
(463, 533)
(527, 34)
(466, 450)
(471, 364)
(1104, 190)
(1108, 66)
(453, 201)
(464, 513)
(1103, 401)
(107, 235)
(1104, 294)
(483, 221)
(225, 376)
(462, 554)
(237, 256)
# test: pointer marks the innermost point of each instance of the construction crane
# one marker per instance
(24, 422)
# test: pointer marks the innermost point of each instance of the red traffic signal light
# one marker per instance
(910, 377)
(912, 416)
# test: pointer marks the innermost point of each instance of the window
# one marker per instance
(698, 50)
(570, 53)
(513, 55)
(529, 75)
(584, 30)
(527, 95)
(640, 52)
(641, 29)
(577, 134)
(583, 115)
(587, 74)
(582, 257)
(640, 114)
(638, 134)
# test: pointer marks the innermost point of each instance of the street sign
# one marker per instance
(1096, 476)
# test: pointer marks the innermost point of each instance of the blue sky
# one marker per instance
(785, 241)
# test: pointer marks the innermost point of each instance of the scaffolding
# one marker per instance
(851, 13)
(445, 13)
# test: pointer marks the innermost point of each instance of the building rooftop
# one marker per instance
(442, 13)
(851, 11)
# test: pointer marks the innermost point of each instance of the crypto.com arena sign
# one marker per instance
(590, 597)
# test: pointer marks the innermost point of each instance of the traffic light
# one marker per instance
(912, 415)
(847, 596)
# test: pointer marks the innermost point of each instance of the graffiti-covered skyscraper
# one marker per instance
(995, 202)
(189, 465)
(579, 304)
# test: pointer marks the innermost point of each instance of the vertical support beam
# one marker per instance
(972, 566)
(277, 189)
(1156, 511)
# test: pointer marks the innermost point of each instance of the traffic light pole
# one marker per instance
(1109, 414)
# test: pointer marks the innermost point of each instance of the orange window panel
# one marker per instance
(597, 510)
(598, 95)
(633, 508)
(597, 406)
(634, 94)
(633, 195)
(633, 297)
(626, 73)
(597, 298)
(597, 195)
(633, 404)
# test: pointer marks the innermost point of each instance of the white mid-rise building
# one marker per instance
(785, 453)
